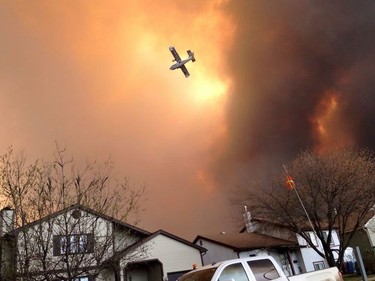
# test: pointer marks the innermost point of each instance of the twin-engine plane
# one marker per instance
(181, 63)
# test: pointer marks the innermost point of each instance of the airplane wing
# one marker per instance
(185, 71)
(175, 54)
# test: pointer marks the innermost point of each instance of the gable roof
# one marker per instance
(174, 237)
(246, 241)
(264, 221)
(303, 225)
(122, 253)
(117, 222)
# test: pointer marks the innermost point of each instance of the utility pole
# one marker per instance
(291, 185)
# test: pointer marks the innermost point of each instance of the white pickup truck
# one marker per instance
(255, 269)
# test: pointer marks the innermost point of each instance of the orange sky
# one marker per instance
(94, 76)
(269, 80)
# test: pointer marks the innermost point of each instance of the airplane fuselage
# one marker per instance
(179, 64)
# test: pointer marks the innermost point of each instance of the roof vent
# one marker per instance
(76, 214)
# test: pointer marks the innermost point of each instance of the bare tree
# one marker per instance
(67, 216)
(337, 189)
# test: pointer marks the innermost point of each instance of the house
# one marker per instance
(304, 259)
(364, 239)
(177, 256)
(81, 244)
(225, 246)
(262, 237)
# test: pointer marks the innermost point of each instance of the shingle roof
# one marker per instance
(303, 225)
(122, 253)
(246, 241)
(85, 209)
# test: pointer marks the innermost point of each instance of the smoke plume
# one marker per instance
(302, 78)
(271, 78)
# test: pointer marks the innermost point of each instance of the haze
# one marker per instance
(271, 79)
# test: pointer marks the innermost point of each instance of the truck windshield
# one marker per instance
(263, 270)
(200, 275)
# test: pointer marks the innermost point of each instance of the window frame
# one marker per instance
(260, 268)
(325, 237)
(235, 268)
(319, 265)
(73, 244)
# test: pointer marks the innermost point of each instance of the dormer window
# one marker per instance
(73, 244)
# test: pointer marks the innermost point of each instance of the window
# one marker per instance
(318, 265)
(312, 237)
(234, 272)
(73, 244)
(263, 269)
(325, 237)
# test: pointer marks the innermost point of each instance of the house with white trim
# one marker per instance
(81, 244)
(363, 239)
(262, 237)
(226, 246)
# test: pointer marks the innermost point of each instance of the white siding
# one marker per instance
(216, 252)
(309, 257)
(370, 227)
(123, 239)
(66, 224)
(62, 225)
(174, 255)
(254, 253)
(6, 221)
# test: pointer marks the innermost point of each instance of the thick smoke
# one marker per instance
(94, 77)
(302, 78)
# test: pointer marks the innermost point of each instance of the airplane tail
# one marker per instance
(191, 55)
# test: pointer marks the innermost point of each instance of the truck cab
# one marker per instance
(255, 269)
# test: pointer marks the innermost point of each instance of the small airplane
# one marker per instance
(181, 63)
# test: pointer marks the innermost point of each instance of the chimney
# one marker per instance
(6, 220)
(247, 218)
